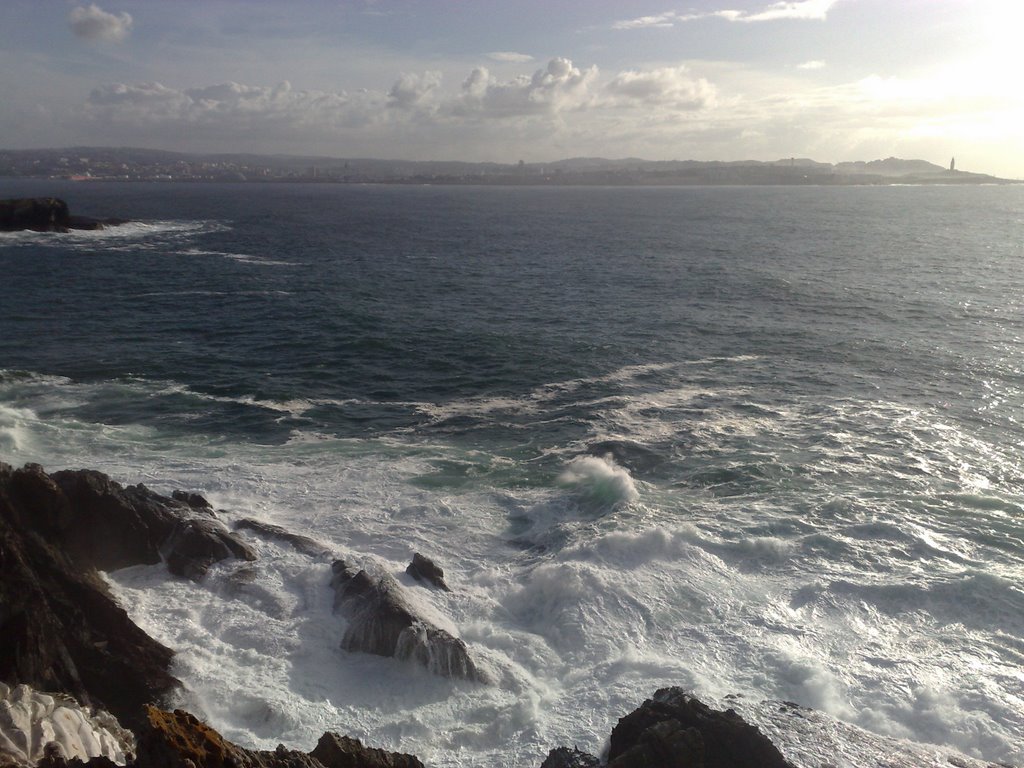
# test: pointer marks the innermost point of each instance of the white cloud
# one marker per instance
(657, 21)
(814, 64)
(510, 56)
(800, 9)
(669, 86)
(558, 86)
(413, 90)
(93, 23)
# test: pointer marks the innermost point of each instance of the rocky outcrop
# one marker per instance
(424, 569)
(675, 730)
(105, 526)
(381, 620)
(303, 544)
(59, 628)
(45, 214)
(179, 740)
(563, 757)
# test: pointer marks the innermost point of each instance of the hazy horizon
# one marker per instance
(830, 80)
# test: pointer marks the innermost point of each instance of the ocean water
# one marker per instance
(762, 443)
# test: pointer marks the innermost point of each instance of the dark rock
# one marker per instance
(46, 214)
(40, 214)
(563, 757)
(59, 628)
(676, 730)
(424, 569)
(303, 544)
(179, 740)
(114, 527)
(335, 751)
(381, 621)
(194, 545)
(193, 500)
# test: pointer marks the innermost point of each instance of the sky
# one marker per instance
(533, 80)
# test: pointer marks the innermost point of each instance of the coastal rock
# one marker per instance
(59, 628)
(335, 751)
(382, 621)
(196, 501)
(45, 214)
(563, 757)
(424, 569)
(109, 527)
(194, 545)
(179, 740)
(675, 730)
(36, 725)
(303, 544)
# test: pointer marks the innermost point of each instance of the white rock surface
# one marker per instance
(29, 720)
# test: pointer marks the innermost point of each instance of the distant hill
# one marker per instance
(892, 166)
(137, 164)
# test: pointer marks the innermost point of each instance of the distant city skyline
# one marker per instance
(833, 80)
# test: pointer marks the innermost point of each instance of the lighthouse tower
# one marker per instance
(952, 164)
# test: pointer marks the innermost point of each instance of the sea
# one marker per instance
(763, 443)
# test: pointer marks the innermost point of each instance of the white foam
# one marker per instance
(599, 480)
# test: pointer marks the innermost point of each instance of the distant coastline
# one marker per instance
(132, 164)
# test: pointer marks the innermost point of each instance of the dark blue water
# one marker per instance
(775, 433)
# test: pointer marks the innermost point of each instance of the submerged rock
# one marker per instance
(382, 621)
(424, 569)
(303, 544)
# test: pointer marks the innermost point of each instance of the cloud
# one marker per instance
(557, 87)
(669, 86)
(412, 90)
(510, 56)
(657, 21)
(800, 9)
(814, 64)
(93, 23)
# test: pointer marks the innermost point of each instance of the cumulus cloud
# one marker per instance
(558, 109)
(800, 9)
(510, 56)
(669, 86)
(559, 86)
(814, 64)
(412, 90)
(93, 23)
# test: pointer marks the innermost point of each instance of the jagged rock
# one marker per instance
(179, 740)
(676, 730)
(424, 569)
(195, 545)
(382, 621)
(45, 214)
(195, 501)
(39, 727)
(335, 751)
(59, 628)
(563, 757)
(114, 527)
(303, 544)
